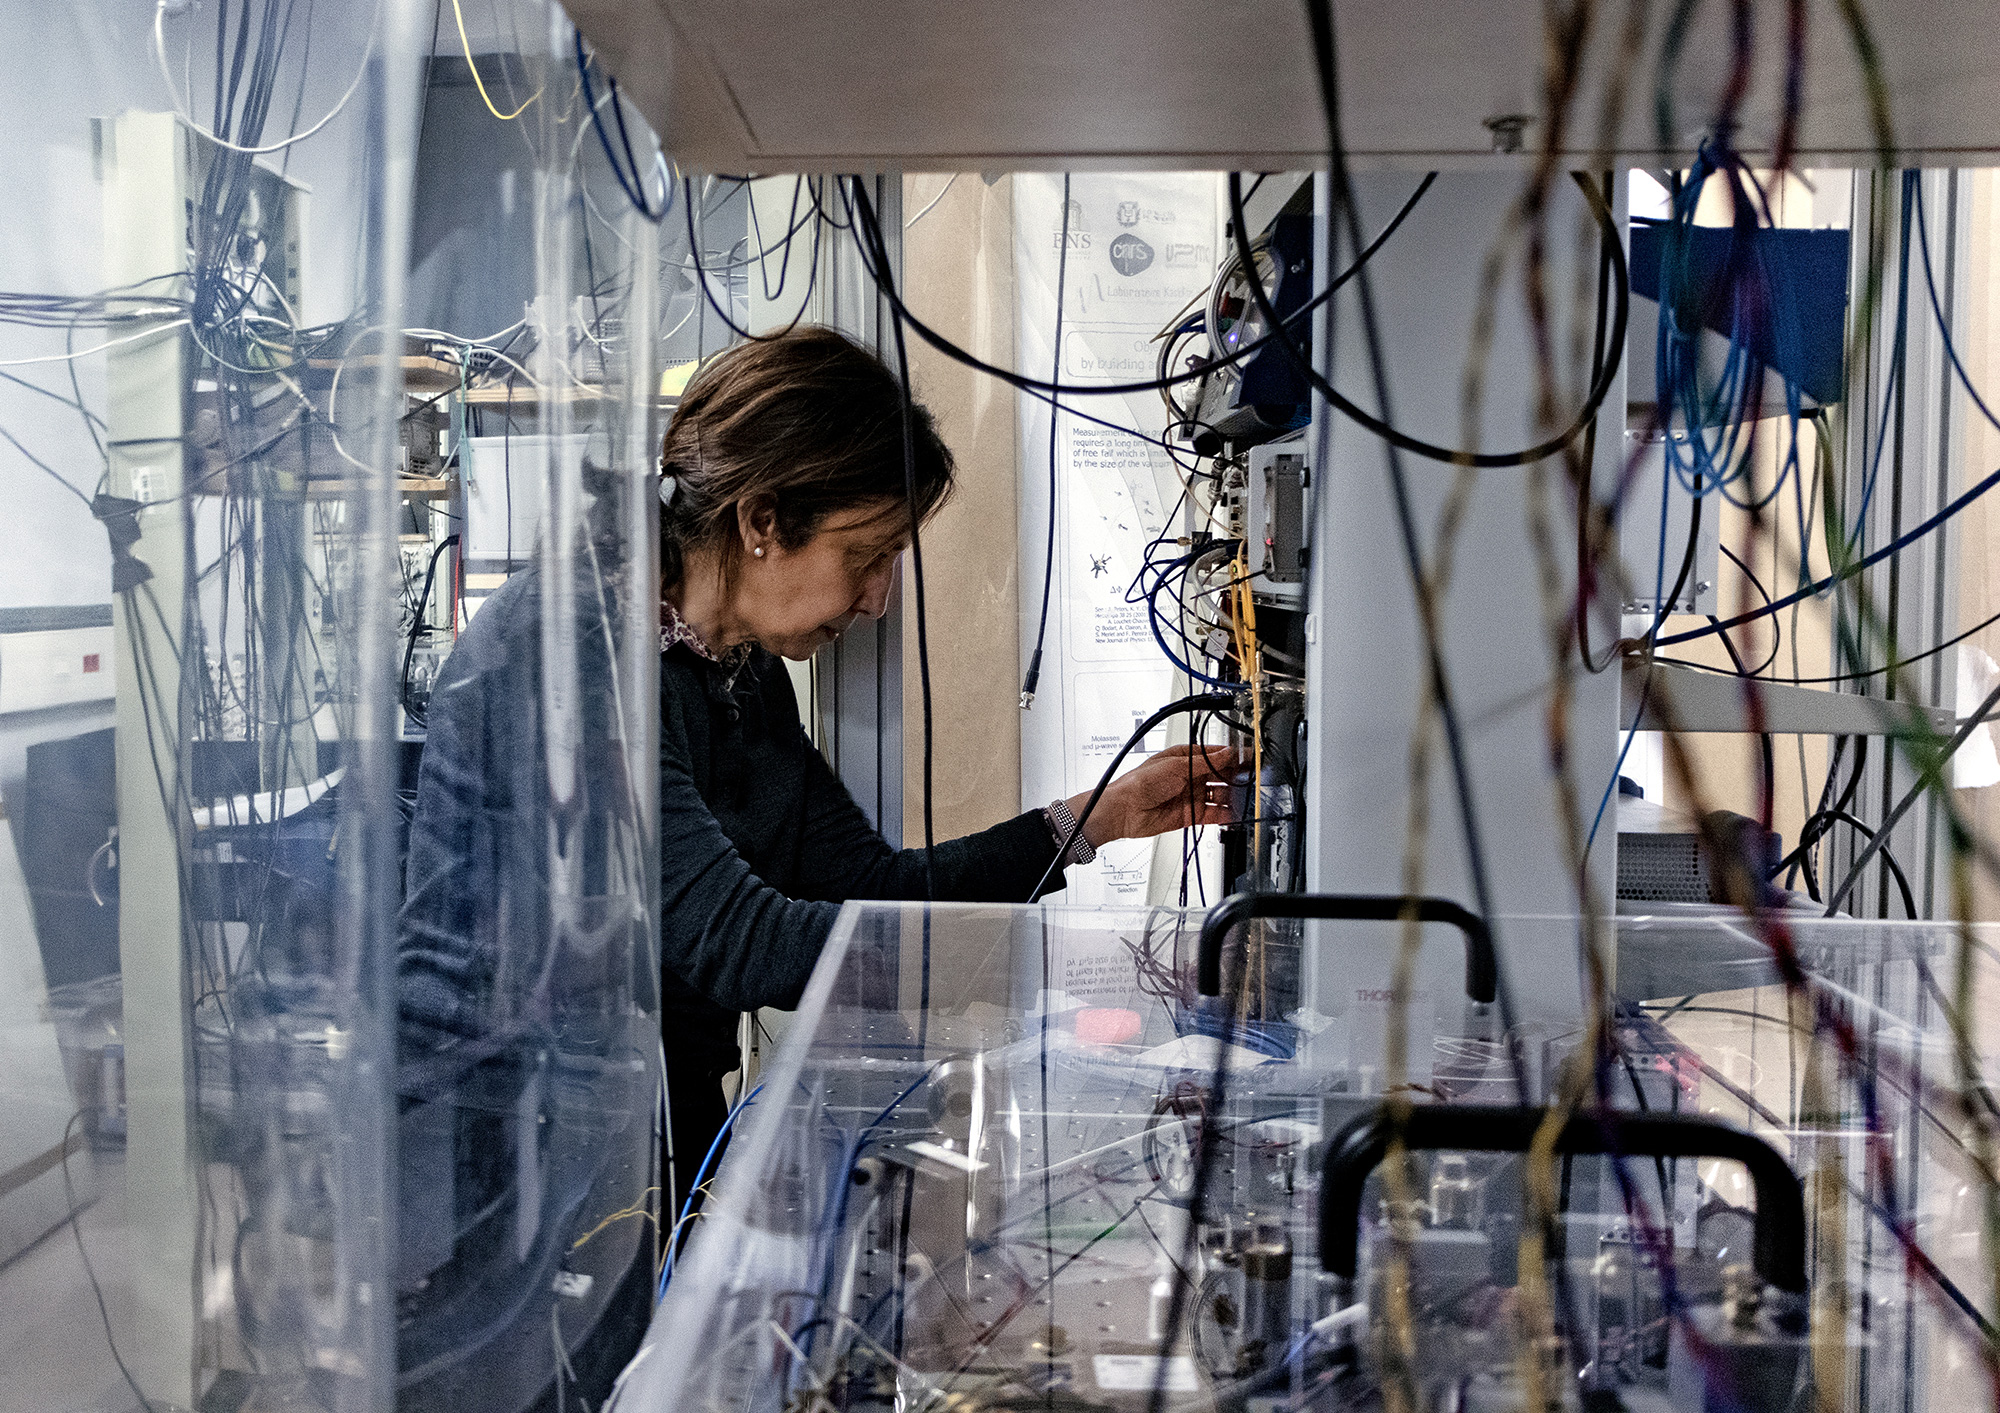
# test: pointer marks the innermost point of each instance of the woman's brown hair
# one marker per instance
(809, 420)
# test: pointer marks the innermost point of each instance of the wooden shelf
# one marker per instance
(421, 372)
(529, 399)
(412, 487)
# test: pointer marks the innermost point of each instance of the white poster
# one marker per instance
(1140, 248)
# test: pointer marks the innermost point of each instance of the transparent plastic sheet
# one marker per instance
(322, 1145)
(528, 1082)
(198, 736)
(986, 1202)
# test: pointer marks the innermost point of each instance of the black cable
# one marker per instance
(1034, 674)
(1832, 817)
(46, 469)
(923, 631)
(1895, 666)
(1854, 781)
(865, 215)
(507, 465)
(430, 58)
(90, 419)
(633, 186)
(1902, 806)
(1607, 375)
(417, 627)
(1770, 757)
(1639, 1094)
(1664, 605)
(1841, 576)
(1150, 440)
(1777, 630)
(701, 276)
(886, 280)
(76, 1231)
(756, 238)
(1200, 701)
(1804, 858)
(924, 681)
(1586, 573)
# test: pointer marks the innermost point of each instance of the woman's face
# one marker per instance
(795, 601)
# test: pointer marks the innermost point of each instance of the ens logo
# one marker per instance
(1130, 255)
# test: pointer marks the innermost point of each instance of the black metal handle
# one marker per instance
(1779, 1252)
(1481, 974)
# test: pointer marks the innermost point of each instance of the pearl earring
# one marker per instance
(759, 551)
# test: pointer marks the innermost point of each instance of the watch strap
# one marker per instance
(1062, 824)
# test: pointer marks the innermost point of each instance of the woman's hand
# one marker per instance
(1170, 789)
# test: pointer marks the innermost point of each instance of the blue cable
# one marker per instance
(687, 1207)
(1153, 622)
(634, 186)
(837, 1209)
(1937, 308)
(1819, 586)
(1163, 576)
(1720, 459)
(1875, 464)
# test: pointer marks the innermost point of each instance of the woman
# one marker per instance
(784, 512)
(785, 516)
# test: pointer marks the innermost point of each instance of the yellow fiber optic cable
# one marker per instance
(458, 12)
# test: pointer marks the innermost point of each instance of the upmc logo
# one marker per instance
(1130, 255)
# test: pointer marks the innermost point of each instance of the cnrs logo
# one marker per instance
(1130, 255)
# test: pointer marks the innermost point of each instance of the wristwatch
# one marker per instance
(1062, 824)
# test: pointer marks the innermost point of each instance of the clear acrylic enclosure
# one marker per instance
(328, 630)
(1009, 1158)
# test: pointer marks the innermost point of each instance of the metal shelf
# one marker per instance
(1715, 702)
(869, 85)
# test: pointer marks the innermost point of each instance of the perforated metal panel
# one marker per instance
(1662, 868)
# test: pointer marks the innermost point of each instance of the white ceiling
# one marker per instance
(789, 85)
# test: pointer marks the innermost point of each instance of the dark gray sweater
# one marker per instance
(759, 844)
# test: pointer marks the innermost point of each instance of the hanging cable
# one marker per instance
(1928, 777)
(457, 9)
(630, 179)
(885, 279)
(1036, 387)
(1034, 675)
(1818, 587)
(180, 106)
(417, 626)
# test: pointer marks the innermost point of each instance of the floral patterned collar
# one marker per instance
(676, 629)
